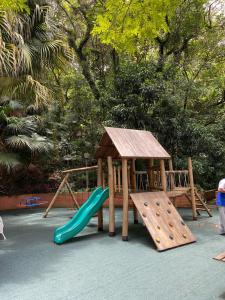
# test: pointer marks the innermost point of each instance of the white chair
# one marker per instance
(1, 228)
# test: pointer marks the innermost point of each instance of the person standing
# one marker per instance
(220, 201)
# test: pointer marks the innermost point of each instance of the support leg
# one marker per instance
(134, 189)
(125, 200)
(99, 183)
(111, 197)
(56, 195)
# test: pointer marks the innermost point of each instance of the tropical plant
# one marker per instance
(28, 47)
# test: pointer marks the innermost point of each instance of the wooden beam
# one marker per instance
(134, 189)
(150, 171)
(163, 175)
(119, 178)
(171, 175)
(72, 195)
(80, 169)
(99, 183)
(111, 197)
(63, 182)
(114, 179)
(103, 179)
(192, 187)
(128, 176)
(125, 200)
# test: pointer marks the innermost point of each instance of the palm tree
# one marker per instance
(29, 45)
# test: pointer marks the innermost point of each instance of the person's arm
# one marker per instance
(222, 190)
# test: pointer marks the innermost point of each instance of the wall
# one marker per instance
(64, 200)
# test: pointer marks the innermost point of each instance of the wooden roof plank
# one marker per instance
(130, 143)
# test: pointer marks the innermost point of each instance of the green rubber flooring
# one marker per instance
(94, 266)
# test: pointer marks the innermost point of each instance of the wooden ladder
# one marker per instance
(199, 201)
(200, 204)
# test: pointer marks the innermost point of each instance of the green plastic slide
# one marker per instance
(82, 216)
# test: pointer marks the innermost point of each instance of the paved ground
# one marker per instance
(96, 267)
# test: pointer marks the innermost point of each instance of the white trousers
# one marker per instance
(222, 219)
(1, 228)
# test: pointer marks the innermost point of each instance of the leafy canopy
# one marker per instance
(18, 5)
(129, 24)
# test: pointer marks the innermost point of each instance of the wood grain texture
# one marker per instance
(99, 183)
(111, 196)
(134, 189)
(220, 257)
(162, 220)
(192, 188)
(125, 200)
(130, 143)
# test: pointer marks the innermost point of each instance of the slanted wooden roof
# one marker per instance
(130, 143)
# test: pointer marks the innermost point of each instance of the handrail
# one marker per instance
(80, 169)
(176, 171)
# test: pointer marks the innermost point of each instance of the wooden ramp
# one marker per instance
(162, 220)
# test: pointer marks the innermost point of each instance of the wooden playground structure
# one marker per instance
(152, 192)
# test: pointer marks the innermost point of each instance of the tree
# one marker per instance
(19, 5)
(131, 26)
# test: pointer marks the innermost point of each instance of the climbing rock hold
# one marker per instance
(157, 240)
(169, 203)
(157, 214)
(184, 236)
(146, 204)
(157, 203)
(158, 227)
(171, 237)
(171, 225)
(144, 215)
(182, 222)
(169, 211)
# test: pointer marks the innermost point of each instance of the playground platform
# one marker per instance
(95, 266)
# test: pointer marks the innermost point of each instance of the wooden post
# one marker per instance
(119, 178)
(150, 172)
(192, 187)
(111, 197)
(128, 176)
(134, 189)
(99, 183)
(125, 200)
(103, 179)
(56, 194)
(114, 179)
(171, 174)
(163, 174)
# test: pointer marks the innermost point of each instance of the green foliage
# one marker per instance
(144, 99)
(34, 143)
(131, 26)
(10, 161)
(69, 67)
(19, 5)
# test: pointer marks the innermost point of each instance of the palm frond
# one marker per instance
(41, 94)
(22, 126)
(35, 143)
(10, 161)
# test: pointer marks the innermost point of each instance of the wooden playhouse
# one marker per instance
(151, 192)
(117, 153)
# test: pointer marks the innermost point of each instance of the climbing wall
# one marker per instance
(162, 220)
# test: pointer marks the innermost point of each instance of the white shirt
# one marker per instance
(222, 184)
